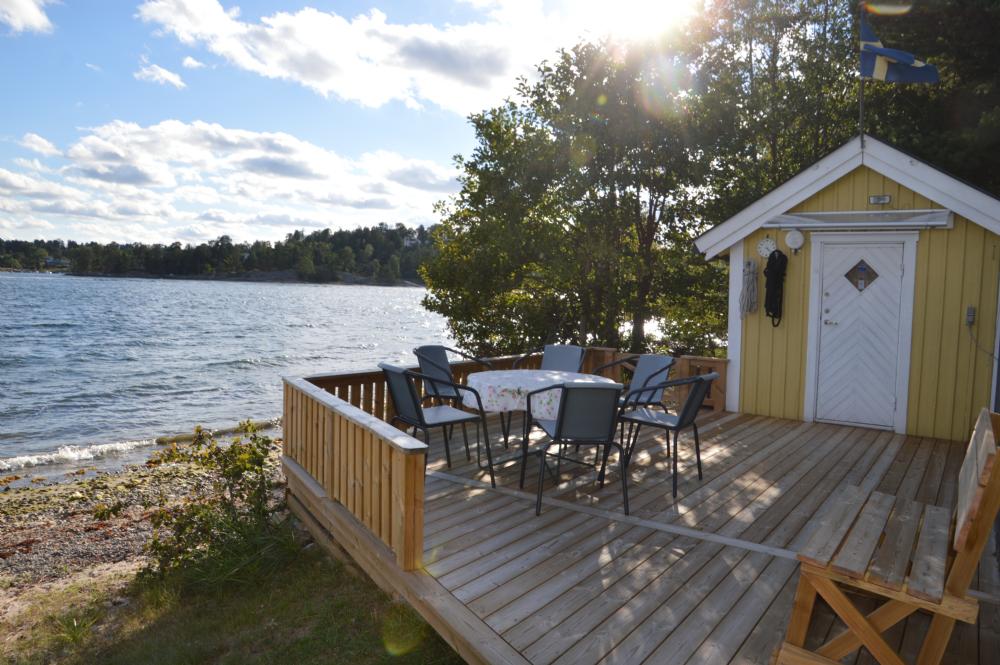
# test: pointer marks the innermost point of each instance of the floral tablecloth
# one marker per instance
(507, 390)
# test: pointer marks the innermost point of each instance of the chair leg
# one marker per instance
(623, 469)
(634, 439)
(604, 465)
(802, 609)
(427, 440)
(465, 437)
(697, 449)
(541, 480)
(505, 429)
(936, 640)
(447, 445)
(674, 461)
(524, 459)
(489, 452)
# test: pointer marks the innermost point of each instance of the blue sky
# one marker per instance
(162, 120)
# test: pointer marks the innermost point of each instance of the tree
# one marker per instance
(572, 193)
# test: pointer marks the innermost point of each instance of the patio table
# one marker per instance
(506, 390)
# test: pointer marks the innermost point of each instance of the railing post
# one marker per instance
(408, 508)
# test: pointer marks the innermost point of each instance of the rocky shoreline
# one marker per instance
(51, 531)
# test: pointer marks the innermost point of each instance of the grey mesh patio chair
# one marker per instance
(403, 391)
(650, 368)
(644, 416)
(588, 415)
(559, 357)
(433, 361)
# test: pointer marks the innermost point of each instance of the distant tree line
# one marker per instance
(381, 253)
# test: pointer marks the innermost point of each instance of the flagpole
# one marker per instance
(861, 83)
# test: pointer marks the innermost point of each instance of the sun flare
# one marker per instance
(634, 19)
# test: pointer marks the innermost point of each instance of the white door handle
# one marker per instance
(828, 322)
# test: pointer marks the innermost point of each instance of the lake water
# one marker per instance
(92, 369)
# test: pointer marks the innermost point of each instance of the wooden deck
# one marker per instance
(706, 578)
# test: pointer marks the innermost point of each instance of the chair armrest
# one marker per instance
(456, 386)
(620, 361)
(645, 387)
(664, 384)
(481, 361)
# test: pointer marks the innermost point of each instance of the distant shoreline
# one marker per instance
(255, 276)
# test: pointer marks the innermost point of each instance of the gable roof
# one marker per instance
(945, 190)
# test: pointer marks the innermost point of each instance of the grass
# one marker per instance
(313, 610)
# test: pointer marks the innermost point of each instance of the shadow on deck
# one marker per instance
(706, 578)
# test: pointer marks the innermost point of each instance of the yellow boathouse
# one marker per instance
(890, 296)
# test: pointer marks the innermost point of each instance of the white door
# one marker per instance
(859, 332)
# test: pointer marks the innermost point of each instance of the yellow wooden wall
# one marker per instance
(949, 377)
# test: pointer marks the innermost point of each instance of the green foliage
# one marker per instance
(233, 534)
(104, 511)
(569, 203)
(583, 195)
(383, 252)
(73, 629)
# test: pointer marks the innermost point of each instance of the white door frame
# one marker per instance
(909, 241)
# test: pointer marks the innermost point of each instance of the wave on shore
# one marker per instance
(73, 454)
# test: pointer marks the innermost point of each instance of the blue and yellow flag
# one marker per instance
(889, 64)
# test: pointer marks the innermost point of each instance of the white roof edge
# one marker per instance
(939, 187)
(908, 171)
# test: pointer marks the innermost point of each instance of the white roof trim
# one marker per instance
(868, 219)
(910, 172)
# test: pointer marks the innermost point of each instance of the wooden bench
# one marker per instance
(912, 555)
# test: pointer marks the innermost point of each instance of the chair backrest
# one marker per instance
(978, 501)
(974, 477)
(697, 392)
(588, 411)
(562, 357)
(654, 369)
(433, 361)
(403, 390)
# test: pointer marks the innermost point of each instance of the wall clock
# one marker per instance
(766, 246)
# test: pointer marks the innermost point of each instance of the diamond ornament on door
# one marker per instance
(861, 275)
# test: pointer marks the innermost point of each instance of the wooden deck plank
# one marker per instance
(726, 619)
(913, 479)
(758, 648)
(890, 563)
(832, 526)
(469, 563)
(926, 578)
(859, 546)
(584, 583)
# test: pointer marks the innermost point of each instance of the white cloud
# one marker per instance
(184, 181)
(157, 74)
(191, 63)
(370, 60)
(39, 144)
(91, 66)
(23, 15)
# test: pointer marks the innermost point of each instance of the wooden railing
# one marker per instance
(373, 470)
(336, 429)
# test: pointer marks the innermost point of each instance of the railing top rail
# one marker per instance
(355, 374)
(396, 438)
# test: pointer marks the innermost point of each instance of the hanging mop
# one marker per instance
(748, 297)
